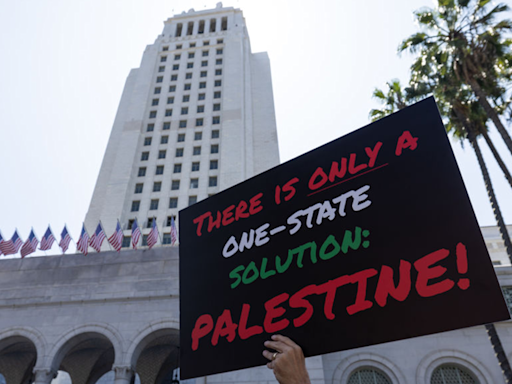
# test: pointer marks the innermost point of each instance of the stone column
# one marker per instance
(44, 375)
(123, 375)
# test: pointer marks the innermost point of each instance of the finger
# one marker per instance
(268, 355)
(277, 345)
(270, 365)
(283, 339)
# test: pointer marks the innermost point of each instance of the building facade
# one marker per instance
(195, 118)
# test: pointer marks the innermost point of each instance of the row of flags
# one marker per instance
(15, 244)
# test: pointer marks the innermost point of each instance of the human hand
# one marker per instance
(287, 362)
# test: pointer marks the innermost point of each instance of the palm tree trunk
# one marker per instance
(491, 329)
(492, 196)
(500, 353)
(482, 98)
(498, 158)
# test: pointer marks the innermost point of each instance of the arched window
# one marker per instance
(452, 374)
(368, 375)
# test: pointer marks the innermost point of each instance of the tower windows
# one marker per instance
(172, 88)
(190, 28)
(192, 200)
(187, 87)
(201, 27)
(199, 122)
(179, 29)
(174, 77)
(170, 100)
(204, 63)
(177, 168)
(154, 102)
(212, 181)
(217, 83)
(203, 73)
(219, 51)
(216, 107)
(161, 68)
(218, 72)
(150, 127)
(196, 151)
(181, 137)
(147, 141)
(186, 98)
(218, 61)
(166, 126)
(173, 202)
(157, 186)
(175, 185)
(212, 25)
(200, 109)
(168, 112)
(142, 171)
(201, 96)
(216, 120)
(195, 166)
(164, 139)
(179, 152)
(194, 183)
(198, 136)
(190, 65)
(191, 55)
(161, 154)
(135, 205)
(215, 134)
(165, 48)
(152, 114)
(214, 164)
(184, 110)
(144, 156)
(157, 90)
(159, 79)
(183, 123)
(159, 170)
(139, 187)
(163, 59)
(202, 84)
(175, 67)
(177, 57)
(224, 24)
(214, 148)
(188, 75)
(205, 53)
(216, 95)
(152, 206)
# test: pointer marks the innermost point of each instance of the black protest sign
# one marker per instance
(367, 239)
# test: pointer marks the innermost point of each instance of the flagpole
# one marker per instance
(103, 228)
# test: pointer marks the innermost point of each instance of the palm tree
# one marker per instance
(393, 100)
(464, 38)
(465, 119)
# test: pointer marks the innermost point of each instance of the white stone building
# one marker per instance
(196, 117)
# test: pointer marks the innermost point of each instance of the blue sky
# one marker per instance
(64, 64)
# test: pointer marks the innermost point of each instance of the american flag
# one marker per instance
(47, 240)
(116, 240)
(174, 232)
(12, 246)
(64, 239)
(97, 238)
(30, 245)
(83, 241)
(135, 234)
(1, 241)
(153, 234)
